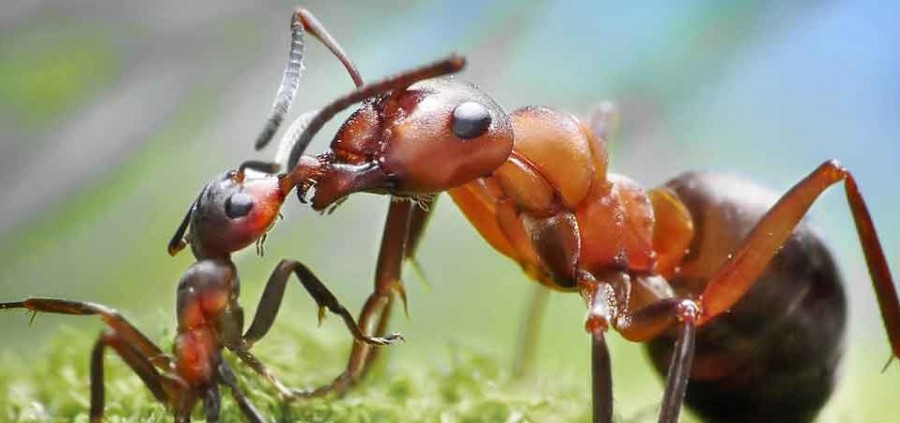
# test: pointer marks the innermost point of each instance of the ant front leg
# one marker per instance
(737, 275)
(375, 314)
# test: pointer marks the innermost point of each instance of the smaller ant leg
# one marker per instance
(163, 389)
(229, 379)
(141, 355)
(601, 380)
(531, 332)
(274, 293)
(123, 328)
(254, 363)
(212, 403)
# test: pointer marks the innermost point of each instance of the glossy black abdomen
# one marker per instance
(773, 358)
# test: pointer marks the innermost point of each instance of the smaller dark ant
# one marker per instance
(230, 213)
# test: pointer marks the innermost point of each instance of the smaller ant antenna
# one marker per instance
(301, 21)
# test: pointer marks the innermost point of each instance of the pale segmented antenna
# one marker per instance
(301, 21)
(289, 84)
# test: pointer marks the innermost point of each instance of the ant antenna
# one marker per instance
(288, 87)
(451, 64)
(302, 20)
(177, 243)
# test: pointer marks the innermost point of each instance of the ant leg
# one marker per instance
(680, 367)
(738, 274)
(274, 293)
(212, 403)
(418, 220)
(420, 214)
(609, 305)
(376, 311)
(250, 360)
(601, 380)
(531, 332)
(123, 329)
(163, 388)
(226, 375)
(651, 320)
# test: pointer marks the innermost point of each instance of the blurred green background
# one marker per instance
(113, 116)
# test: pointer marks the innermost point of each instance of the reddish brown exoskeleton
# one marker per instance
(705, 261)
(231, 212)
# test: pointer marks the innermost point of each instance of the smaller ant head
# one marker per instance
(231, 212)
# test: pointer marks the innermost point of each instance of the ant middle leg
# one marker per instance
(375, 314)
(608, 307)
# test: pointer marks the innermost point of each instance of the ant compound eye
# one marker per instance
(238, 205)
(470, 120)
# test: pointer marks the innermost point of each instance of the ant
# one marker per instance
(718, 275)
(230, 213)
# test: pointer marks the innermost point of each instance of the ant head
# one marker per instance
(430, 137)
(231, 212)
(416, 134)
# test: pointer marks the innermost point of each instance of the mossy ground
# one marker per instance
(463, 385)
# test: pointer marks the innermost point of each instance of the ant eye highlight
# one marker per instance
(470, 120)
(238, 205)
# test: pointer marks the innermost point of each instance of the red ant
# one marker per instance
(706, 261)
(230, 213)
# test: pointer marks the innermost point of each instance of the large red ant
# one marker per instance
(705, 262)
(230, 213)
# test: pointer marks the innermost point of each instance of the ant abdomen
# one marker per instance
(774, 356)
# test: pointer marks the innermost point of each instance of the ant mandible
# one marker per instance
(706, 261)
(231, 212)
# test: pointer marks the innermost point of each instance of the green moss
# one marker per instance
(462, 386)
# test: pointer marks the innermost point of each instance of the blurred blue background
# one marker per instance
(113, 116)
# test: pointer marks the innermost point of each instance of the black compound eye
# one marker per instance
(238, 205)
(470, 120)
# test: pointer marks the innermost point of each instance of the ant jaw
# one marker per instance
(340, 180)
